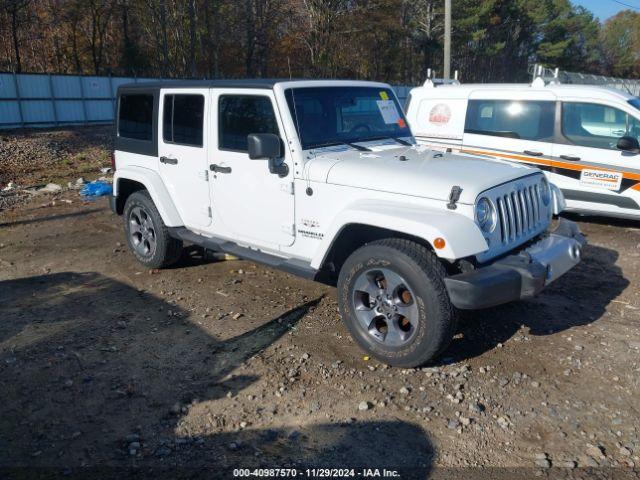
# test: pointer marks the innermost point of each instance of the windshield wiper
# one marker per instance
(358, 147)
(399, 140)
(352, 145)
(402, 142)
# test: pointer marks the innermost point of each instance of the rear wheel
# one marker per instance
(393, 300)
(147, 235)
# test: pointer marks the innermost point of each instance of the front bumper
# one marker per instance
(521, 275)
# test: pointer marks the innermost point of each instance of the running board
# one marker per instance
(293, 266)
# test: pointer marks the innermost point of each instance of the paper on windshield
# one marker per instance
(388, 111)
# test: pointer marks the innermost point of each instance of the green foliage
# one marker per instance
(620, 38)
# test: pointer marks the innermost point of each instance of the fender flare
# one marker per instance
(462, 236)
(155, 186)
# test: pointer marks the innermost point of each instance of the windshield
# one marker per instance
(635, 102)
(334, 115)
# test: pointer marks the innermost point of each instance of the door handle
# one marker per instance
(218, 169)
(533, 153)
(571, 158)
(169, 160)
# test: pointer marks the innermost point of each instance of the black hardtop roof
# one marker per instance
(239, 83)
(262, 83)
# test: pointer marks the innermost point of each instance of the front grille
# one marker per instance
(520, 213)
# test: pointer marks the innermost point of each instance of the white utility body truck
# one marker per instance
(324, 179)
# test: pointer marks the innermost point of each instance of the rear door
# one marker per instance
(591, 171)
(511, 128)
(182, 151)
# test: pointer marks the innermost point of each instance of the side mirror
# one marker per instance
(629, 144)
(267, 146)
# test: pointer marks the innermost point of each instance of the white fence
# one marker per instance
(42, 100)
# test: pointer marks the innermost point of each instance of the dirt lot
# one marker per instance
(226, 364)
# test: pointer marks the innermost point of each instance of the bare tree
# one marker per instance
(100, 12)
(15, 8)
(192, 37)
(321, 23)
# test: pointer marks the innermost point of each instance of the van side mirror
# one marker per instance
(267, 146)
(629, 144)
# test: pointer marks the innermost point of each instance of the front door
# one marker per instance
(249, 203)
(590, 170)
(182, 149)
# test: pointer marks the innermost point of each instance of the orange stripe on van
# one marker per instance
(636, 187)
(550, 163)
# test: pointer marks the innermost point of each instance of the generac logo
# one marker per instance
(606, 176)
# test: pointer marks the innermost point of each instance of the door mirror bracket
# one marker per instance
(280, 169)
(629, 144)
(267, 146)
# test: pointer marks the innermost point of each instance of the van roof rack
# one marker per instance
(541, 76)
(434, 82)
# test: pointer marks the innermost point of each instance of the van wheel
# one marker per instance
(147, 235)
(392, 297)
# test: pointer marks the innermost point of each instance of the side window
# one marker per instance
(183, 119)
(526, 120)
(135, 117)
(597, 126)
(240, 115)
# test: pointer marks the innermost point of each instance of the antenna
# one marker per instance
(293, 99)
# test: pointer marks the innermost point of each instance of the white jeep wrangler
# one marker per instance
(323, 179)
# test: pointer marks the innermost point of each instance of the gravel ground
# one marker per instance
(229, 364)
(32, 158)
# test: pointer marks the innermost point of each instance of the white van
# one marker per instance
(584, 137)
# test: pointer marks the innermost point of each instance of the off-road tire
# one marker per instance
(167, 249)
(419, 266)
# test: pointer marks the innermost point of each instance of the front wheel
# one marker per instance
(147, 235)
(392, 297)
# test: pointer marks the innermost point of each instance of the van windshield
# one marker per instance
(341, 115)
(635, 102)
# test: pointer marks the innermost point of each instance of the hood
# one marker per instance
(422, 173)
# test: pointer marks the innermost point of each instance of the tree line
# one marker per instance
(388, 40)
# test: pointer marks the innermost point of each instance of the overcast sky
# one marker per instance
(604, 9)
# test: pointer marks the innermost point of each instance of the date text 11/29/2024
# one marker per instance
(316, 473)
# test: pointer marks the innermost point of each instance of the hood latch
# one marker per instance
(454, 196)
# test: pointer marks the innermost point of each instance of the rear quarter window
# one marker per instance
(135, 117)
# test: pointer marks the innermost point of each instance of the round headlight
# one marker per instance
(545, 191)
(485, 215)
